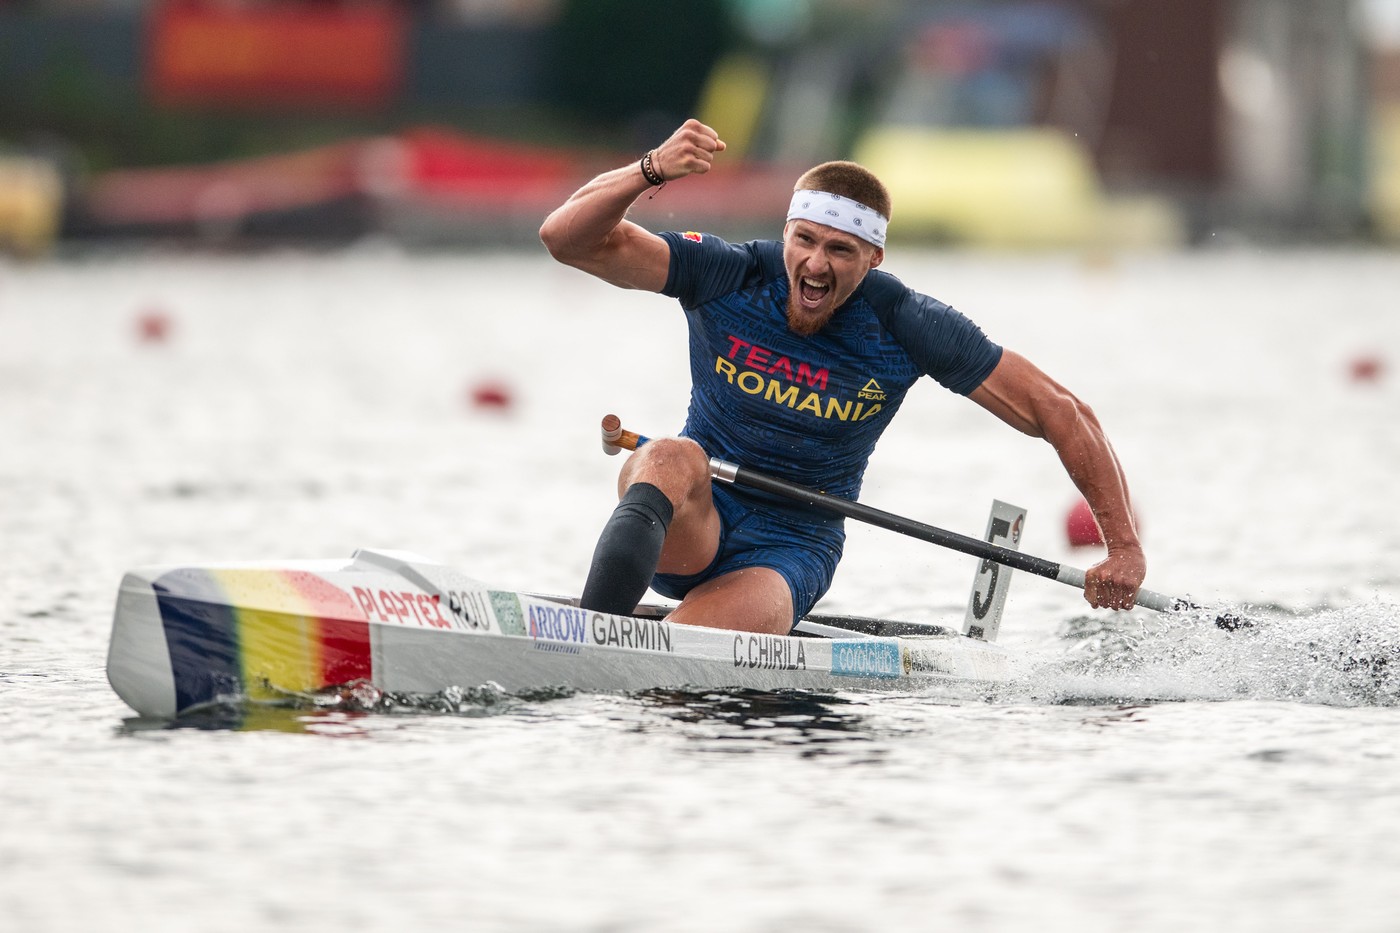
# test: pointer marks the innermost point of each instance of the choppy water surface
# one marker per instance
(1139, 773)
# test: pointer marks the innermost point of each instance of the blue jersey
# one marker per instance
(807, 409)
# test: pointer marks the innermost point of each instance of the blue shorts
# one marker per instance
(804, 547)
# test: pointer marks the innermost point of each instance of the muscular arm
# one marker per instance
(590, 231)
(1020, 394)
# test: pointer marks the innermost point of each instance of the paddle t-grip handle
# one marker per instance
(616, 439)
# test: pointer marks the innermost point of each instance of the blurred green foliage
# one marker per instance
(616, 59)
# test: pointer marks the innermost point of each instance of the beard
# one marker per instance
(805, 323)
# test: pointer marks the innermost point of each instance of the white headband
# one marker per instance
(846, 214)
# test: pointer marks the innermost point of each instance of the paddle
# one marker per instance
(615, 438)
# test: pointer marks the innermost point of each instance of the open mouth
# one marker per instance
(811, 291)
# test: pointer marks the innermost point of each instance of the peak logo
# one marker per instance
(872, 391)
(692, 236)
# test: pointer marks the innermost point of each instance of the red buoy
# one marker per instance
(1080, 528)
(152, 326)
(1367, 368)
(1082, 531)
(491, 395)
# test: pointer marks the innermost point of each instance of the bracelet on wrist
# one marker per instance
(649, 171)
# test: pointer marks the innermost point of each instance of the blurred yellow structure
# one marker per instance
(31, 205)
(1008, 188)
(1385, 192)
(733, 98)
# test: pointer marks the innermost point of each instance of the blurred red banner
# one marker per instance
(275, 56)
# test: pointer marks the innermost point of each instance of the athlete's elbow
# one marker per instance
(1063, 415)
(566, 249)
(560, 239)
(554, 236)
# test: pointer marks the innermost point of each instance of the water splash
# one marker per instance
(1336, 657)
(485, 699)
(296, 711)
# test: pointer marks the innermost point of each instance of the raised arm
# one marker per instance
(1020, 394)
(590, 231)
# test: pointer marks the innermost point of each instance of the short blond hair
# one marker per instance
(849, 180)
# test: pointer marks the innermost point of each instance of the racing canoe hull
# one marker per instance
(188, 637)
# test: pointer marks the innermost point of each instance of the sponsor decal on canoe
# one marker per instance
(469, 610)
(558, 647)
(557, 623)
(625, 632)
(770, 653)
(509, 615)
(866, 658)
(404, 607)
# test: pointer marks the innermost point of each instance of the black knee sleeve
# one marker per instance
(628, 551)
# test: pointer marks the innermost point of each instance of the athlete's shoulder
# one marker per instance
(704, 266)
(943, 342)
(890, 297)
(767, 252)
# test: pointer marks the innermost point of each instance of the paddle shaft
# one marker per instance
(1071, 576)
(615, 437)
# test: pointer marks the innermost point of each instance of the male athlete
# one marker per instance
(800, 354)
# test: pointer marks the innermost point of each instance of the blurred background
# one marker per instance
(1038, 123)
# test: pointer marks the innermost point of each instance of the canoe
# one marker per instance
(187, 637)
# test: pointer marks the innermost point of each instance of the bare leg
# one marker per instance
(755, 599)
(680, 469)
(665, 520)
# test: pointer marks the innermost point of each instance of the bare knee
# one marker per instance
(675, 465)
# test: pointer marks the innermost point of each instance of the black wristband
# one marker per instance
(649, 172)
